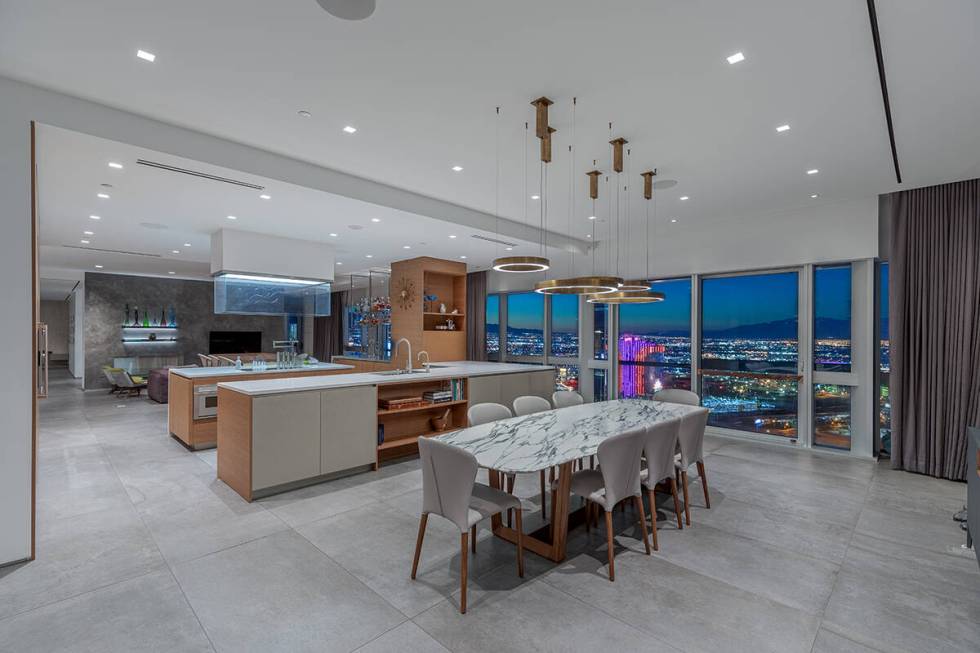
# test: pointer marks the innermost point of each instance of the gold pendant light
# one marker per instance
(526, 264)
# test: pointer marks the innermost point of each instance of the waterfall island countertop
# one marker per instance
(438, 371)
(217, 372)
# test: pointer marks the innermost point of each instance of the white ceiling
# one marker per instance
(152, 212)
(420, 81)
(56, 290)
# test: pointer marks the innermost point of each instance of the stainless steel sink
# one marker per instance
(399, 372)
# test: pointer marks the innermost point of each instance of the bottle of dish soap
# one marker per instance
(238, 362)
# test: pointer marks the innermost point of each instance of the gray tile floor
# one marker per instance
(140, 548)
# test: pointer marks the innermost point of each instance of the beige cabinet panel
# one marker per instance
(542, 383)
(513, 386)
(484, 389)
(285, 438)
(348, 428)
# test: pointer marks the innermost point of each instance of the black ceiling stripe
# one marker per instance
(876, 37)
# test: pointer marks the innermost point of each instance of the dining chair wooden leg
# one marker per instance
(520, 543)
(609, 543)
(418, 543)
(638, 501)
(653, 518)
(588, 516)
(473, 538)
(462, 572)
(510, 490)
(541, 475)
(551, 522)
(687, 500)
(677, 504)
(592, 462)
(704, 484)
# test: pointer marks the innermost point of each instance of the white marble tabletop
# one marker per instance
(542, 440)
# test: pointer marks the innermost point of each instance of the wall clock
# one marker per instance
(405, 292)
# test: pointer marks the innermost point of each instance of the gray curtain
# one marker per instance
(476, 316)
(328, 332)
(934, 326)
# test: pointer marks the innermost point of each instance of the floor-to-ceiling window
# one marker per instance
(525, 325)
(655, 342)
(493, 327)
(750, 352)
(831, 354)
(600, 331)
(884, 364)
(563, 340)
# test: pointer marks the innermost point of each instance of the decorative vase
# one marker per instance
(163, 317)
(173, 318)
(136, 316)
(146, 318)
(126, 319)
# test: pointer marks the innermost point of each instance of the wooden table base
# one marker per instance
(550, 540)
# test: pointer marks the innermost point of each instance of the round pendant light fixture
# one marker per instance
(348, 9)
(521, 264)
(631, 297)
(595, 285)
(634, 285)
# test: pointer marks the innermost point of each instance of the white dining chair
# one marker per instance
(658, 451)
(528, 405)
(566, 398)
(486, 413)
(617, 479)
(678, 396)
(690, 442)
(450, 490)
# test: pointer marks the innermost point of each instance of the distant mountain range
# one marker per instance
(783, 329)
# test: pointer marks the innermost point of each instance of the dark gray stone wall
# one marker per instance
(106, 296)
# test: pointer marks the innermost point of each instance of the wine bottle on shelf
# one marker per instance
(126, 319)
(136, 316)
(163, 317)
(146, 318)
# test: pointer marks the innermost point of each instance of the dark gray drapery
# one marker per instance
(476, 316)
(328, 332)
(934, 326)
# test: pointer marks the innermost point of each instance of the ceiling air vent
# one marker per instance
(494, 240)
(112, 251)
(197, 173)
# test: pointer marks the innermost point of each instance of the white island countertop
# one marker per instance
(218, 372)
(439, 370)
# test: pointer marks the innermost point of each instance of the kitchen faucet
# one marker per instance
(408, 364)
(426, 359)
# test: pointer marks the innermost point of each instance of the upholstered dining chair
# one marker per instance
(566, 398)
(658, 450)
(450, 490)
(678, 396)
(690, 442)
(486, 413)
(527, 405)
(617, 479)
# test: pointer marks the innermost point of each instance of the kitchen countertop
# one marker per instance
(445, 370)
(216, 372)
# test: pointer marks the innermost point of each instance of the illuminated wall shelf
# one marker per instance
(147, 327)
(131, 340)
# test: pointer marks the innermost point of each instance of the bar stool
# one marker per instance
(450, 490)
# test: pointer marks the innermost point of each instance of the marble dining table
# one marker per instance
(555, 438)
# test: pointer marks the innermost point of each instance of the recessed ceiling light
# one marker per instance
(535, 197)
(175, 251)
(340, 262)
(146, 56)
(452, 235)
(171, 272)
(117, 166)
(349, 129)
(588, 235)
(406, 247)
(814, 196)
(102, 196)
(231, 217)
(812, 172)
(333, 235)
(265, 197)
(673, 219)
(375, 219)
(85, 242)
(463, 256)
(684, 198)
(510, 249)
(591, 217)
(457, 168)
(89, 233)
(369, 256)
(735, 58)
(782, 128)
(187, 244)
(94, 217)
(98, 267)
(304, 113)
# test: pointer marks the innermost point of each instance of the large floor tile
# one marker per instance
(902, 606)
(830, 642)
(406, 637)
(281, 593)
(690, 611)
(934, 532)
(801, 460)
(535, 617)
(317, 502)
(145, 614)
(79, 554)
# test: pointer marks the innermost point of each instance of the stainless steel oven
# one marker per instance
(205, 401)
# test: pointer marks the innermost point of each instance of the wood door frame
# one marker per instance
(35, 282)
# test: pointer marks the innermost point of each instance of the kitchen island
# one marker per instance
(278, 434)
(193, 396)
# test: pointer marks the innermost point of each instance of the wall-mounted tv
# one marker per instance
(235, 342)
